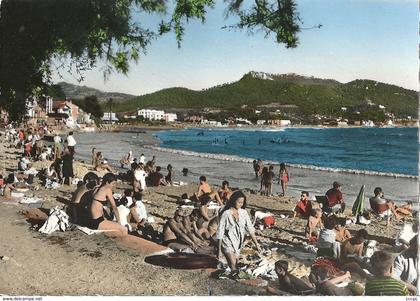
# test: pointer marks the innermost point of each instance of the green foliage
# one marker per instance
(311, 96)
(90, 105)
(38, 37)
(55, 91)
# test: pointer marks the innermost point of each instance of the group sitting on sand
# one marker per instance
(215, 222)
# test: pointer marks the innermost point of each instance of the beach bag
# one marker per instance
(269, 221)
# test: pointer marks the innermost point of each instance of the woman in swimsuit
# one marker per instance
(283, 178)
(100, 197)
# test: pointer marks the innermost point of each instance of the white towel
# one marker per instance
(33, 200)
(57, 221)
(89, 231)
(17, 195)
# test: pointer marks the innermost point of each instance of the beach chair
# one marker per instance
(375, 208)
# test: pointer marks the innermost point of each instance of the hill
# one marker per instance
(79, 92)
(308, 95)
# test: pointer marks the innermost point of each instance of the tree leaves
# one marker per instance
(36, 36)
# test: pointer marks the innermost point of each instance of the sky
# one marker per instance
(359, 39)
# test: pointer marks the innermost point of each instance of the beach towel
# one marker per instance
(17, 195)
(370, 248)
(30, 200)
(405, 235)
(51, 184)
(264, 269)
(329, 264)
(57, 221)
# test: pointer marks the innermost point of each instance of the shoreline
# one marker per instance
(239, 173)
(134, 128)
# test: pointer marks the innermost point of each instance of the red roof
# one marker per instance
(59, 104)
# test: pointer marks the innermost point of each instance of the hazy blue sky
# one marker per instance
(367, 39)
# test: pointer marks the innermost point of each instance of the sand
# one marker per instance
(72, 263)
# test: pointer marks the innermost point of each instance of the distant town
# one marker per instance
(64, 114)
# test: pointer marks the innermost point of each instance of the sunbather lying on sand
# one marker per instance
(290, 283)
(323, 284)
(351, 254)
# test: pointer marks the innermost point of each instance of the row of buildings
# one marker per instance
(55, 112)
(154, 115)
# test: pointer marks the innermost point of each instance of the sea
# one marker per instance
(384, 151)
(315, 157)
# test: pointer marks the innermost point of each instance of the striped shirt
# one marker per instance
(385, 286)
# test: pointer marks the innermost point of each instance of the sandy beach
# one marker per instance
(73, 263)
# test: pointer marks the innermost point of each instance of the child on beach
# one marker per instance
(267, 180)
(341, 232)
(94, 157)
(304, 206)
(327, 246)
(314, 220)
(225, 192)
(283, 178)
(382, 284)
(170, 176)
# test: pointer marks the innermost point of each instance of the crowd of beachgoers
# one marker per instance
(215, 223)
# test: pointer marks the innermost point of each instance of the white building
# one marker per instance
(260, 122)
(169, 117)
(109, 116)
(211, 123)
(151, 114)
(285, 122)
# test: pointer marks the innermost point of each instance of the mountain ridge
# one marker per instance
(310, 95)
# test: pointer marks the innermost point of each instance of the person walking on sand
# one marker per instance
(267, 180)
(142, 159)
(57, 147)
(71, 143)
(100, 198)
(260, 166)
(94, 157)
(233, 226)
(67, 166)
(283, 178)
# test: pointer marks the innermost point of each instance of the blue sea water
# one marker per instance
(393, 151)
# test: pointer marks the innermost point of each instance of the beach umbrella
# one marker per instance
(359, 203)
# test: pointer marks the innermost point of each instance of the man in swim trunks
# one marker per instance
(174, 233)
